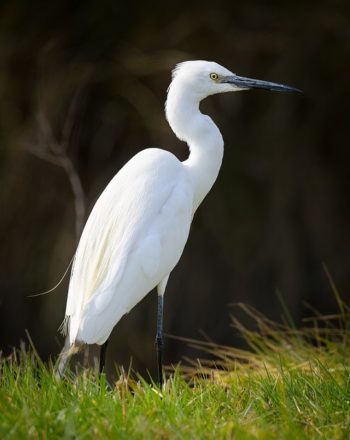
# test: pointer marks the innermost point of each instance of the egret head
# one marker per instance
(204, 78)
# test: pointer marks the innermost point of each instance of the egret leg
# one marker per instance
(159, 339)
(64, 357)
(103, 356)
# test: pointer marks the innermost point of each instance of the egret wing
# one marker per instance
(121, 216)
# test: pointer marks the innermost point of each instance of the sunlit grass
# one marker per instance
(291, 383)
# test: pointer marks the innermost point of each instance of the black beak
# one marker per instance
(249, 83)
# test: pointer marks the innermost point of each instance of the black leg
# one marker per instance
(159, 339)
(103, 356)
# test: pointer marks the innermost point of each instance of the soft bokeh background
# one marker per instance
(82, 88)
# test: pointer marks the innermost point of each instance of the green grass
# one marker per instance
(290, 383)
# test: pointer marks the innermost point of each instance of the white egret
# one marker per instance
(139, 226)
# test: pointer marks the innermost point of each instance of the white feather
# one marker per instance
(138, 228)
(127, 252)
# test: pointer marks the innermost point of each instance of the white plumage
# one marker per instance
(139, 226)
(147, 211)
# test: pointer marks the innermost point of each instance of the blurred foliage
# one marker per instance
(87, 82)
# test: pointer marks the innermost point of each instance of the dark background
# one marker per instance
(82, 89)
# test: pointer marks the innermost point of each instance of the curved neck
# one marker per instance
(201, 135)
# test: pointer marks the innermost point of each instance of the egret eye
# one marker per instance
(214, 76)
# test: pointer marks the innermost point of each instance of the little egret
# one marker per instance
(139, 226)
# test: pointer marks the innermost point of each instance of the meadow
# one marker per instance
(288, 383)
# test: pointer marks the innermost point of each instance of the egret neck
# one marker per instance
(201, 135)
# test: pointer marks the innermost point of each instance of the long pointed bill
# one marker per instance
(250, 83)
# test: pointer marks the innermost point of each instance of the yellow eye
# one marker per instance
(214, 76)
